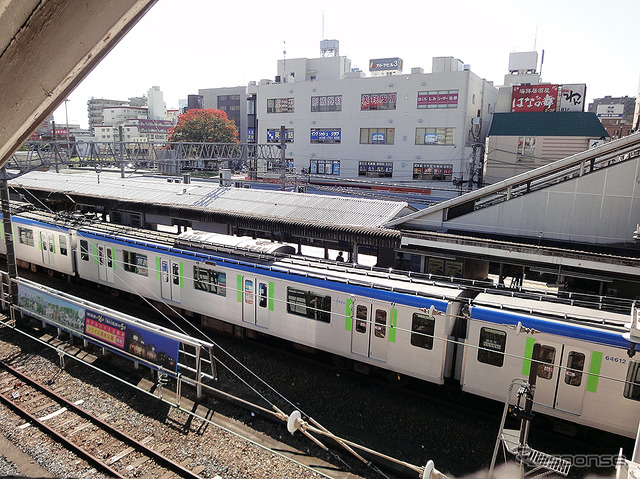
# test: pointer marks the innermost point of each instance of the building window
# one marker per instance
(135, 262)
(431, 171)
(273, 136)
(375, 169)
(377, 136)
(25, 236)
(435, 136)
(526, 148)
(326, 135)
(492, 345)
(309, 304)
(437, 99)
(422, 329)
(324, 167)
(209, 280)
(326, 103)
(378, 101)
(280, 105)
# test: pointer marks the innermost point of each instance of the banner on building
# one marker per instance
(572, 97)
(535, 98)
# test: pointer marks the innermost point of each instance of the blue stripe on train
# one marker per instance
(359, 291)
(559, 328)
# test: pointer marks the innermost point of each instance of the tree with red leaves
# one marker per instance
(211, 126)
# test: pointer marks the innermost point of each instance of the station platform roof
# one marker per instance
(206, 201)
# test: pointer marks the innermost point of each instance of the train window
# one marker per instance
(422, 328)
(544, 361)
(135, 262)
(575, 366)
(381, 323)
(84, 250)
(209, 280)
(492, 345)
(262, 291)
(63, 245)
(632, 384)
(361, 319)
(109, 258)
(175, 270)
(25, 236)
(101, 255)
(308, 304)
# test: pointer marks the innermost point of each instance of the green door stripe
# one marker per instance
(271, 288)
(393, 324)
(239, 288)
(528, 354)
(53, 243)
(181, 274)
(158, 269)
(95, 253)
(40, 240)
(348, 315)
(594, 371)
(113, 258)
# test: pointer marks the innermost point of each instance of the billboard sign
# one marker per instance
(383, 64)
(535, 98)
(140, 342)
(572, 97)
(610, 111)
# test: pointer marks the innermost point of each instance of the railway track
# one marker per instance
(105, 446)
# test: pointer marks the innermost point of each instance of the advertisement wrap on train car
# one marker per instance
(118, 335)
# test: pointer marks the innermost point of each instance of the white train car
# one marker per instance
(374, 320)
(577, 357)
(43, 243)
(405, 325)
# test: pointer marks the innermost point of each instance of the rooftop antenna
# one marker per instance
(535, 39)
(323, 25)
(284, 59)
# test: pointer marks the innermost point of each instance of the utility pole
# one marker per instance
(283, 147)
(8, 233)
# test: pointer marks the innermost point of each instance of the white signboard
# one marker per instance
(610, 111)
(572, 97)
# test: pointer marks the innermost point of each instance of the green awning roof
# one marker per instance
(566, 123)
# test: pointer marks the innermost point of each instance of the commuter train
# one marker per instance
(478, 340)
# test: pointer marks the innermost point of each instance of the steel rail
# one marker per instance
(161, 459)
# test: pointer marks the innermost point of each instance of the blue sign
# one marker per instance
(326, 135)
(251, 135)
(430, 138)
(377, 138)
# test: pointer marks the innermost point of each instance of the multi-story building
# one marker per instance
(95, 107)
(536, 123)
(139, 119)
(237, 103)
(411, 127)
(616, 114)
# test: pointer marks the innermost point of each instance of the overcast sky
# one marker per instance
(185, 45)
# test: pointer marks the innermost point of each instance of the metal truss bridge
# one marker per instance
(171, 157)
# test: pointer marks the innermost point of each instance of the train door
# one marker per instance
(48, 248)
(170, 279)
(248, 300)
(105, 262)
(379, 342)
(262, 309)
(369, 334)
(546, 359)
(572, 381)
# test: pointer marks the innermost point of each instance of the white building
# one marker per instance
(401, 127)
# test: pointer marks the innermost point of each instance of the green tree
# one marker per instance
(211, 126)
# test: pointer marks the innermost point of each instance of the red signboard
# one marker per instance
(535, 98)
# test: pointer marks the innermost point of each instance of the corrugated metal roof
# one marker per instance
(295, 207)
(564, 123)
